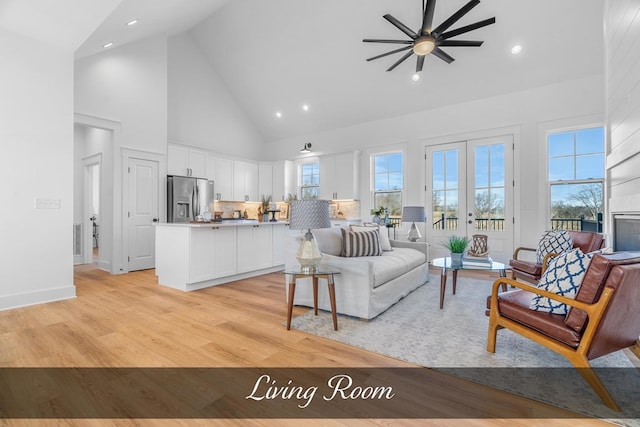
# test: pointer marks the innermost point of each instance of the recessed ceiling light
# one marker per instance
(132, 22)
(516, 49)
(107, 45)
(305, 107)
(278, 114)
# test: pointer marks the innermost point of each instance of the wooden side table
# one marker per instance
(295, 275)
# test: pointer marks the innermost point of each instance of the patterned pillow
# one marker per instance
(553, 242)
(361, 243)
(563, 276)
(385, 243)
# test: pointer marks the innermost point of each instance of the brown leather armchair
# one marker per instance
(530, 271)
(603, 318)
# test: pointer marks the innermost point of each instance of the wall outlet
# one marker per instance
(47, 203)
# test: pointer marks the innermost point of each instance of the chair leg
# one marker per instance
(492, 334)
(584, 368)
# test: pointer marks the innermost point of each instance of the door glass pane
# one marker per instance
(489, 187)
(482, 166)
(444, 182)
(497, 165)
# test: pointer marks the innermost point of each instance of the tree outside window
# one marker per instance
(576, 179)
(388, 182)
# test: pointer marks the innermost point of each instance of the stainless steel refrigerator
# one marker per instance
(188, 197)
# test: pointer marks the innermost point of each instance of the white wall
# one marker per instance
(202, 111)
(622, 68)
(36, 161)
(576, 101)
(126, 88)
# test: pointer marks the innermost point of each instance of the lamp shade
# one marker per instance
(309, 214)
(413, 214)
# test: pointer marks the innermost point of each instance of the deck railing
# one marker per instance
(497, 224)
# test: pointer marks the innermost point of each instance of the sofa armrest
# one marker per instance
(420, 246)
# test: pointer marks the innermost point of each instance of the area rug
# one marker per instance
(454, 340)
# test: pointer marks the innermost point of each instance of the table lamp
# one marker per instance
(306, 215)
(413, 214)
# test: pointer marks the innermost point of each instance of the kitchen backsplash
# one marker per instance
(347, 209)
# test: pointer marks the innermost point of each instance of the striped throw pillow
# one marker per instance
(360, 243)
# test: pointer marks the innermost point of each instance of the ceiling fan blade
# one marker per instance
(389, 53)
(401, 60)
(456, 16)
(388, 41)
(466, 29)
(443, 55)
(420, 63)
(460, 43)
(399, 25)
(427, 21)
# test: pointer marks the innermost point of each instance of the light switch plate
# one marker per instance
(47, 203)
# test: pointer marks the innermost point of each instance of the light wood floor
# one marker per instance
(130, 321)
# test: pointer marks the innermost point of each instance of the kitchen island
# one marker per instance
(191, 256)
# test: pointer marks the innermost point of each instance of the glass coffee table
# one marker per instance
(445, 264)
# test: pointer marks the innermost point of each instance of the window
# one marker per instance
(576, 179)
(388, 182)
(310, 179)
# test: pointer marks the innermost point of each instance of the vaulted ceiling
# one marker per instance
(276, 55)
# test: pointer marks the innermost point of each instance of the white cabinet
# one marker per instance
(278, 239)
(212, 253)
(186, 161)
(265, 181)
(245, 181)
(339, 176)
(223, 184)
(283, 180)
(254, 247)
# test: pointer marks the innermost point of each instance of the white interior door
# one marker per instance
(143, 212)
(470, 191)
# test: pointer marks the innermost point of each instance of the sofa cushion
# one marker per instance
(527, 267)
(329, 240)
(394, 264)
(385, 244)
(563, 276)
(553, 242)
(362, 243)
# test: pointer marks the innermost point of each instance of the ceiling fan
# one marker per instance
(427, 40)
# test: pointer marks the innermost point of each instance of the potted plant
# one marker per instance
(264, 207)
(456, 245)
(377, 214)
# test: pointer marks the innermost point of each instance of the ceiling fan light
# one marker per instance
(424, 45)
(415, 77)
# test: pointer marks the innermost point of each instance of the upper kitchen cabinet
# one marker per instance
(245, 181)
(223, 180)
(186, 161)
(283, 180)
(265, 180)
(339, 176)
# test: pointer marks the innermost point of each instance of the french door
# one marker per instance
(470, 191)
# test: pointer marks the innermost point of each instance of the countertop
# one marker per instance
(231, 223)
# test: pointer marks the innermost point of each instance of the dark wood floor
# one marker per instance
(130, 321)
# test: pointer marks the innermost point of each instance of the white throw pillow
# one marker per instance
(329, 240)
(563, 276)
(385, 244)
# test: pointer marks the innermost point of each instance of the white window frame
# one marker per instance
(372, 169)
(301, 163)
(548, 183)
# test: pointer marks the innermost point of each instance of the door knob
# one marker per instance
(155, 220)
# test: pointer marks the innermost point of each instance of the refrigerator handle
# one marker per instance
(194, 202)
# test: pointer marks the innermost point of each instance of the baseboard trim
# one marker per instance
(9, 302)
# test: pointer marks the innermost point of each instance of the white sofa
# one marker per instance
(366, 286)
